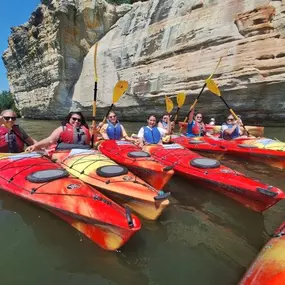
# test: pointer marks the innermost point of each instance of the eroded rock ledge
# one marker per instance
(161, 47)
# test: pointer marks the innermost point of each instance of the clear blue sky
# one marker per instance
(13, 13)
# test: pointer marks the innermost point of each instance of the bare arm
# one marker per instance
(231, 130)
(31, 141)
(103, 132)
(191, 116)
(53, 138)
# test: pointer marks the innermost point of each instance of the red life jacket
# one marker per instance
(73, 135)
(199, 129)
(11, 140)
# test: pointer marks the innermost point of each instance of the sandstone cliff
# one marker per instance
(161, 47)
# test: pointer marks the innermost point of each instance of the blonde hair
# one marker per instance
(8, 110)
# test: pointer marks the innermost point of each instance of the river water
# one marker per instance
(203, 238)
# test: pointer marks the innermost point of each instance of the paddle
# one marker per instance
(169, 105)
(196, 100)
(213, 87)
(120, 88)
(93, 129)
(180, 98)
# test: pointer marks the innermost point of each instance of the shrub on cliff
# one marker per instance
(7, 102)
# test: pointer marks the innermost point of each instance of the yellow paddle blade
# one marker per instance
(180, 99)
(169, 105)
(120, 88)
(213, 87)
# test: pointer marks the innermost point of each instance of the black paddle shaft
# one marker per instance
(205, 84)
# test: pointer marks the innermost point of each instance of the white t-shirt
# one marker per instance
(141, 132)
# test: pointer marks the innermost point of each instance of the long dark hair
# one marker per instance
(67, 119)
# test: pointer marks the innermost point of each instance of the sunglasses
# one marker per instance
(9, 118)
(110, 117)
(199, 117)
(230, 119)
(75, 119)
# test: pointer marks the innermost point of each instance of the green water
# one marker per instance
(202, 238)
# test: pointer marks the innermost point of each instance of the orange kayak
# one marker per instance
(113, 180)
(139, 162)
(269, 266)
(257, 131)
(38, 180)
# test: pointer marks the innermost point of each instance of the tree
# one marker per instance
(7, 101)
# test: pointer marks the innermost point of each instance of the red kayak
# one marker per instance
(269, 266)
(260, 150)
(211, 174)
(137, 161)
(256, 131)
(38, 180)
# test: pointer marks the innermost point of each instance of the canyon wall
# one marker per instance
(161, 47)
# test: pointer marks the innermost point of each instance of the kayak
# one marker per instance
(37, 179)
(269, 266)
(267, 151)
(137, 161)
(113, 180)
(256, 131)
(211, 174)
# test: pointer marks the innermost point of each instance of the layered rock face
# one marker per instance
(162, 47)
(45, 55)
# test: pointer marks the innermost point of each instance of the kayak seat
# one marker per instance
(138, 154)
(203, 162)
(67, 146)
(247, 146)
(47, 175)
(111, 171)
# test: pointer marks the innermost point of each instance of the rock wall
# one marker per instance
(161, 47)
(45, 55)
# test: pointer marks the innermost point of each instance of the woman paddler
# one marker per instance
(195, 126)
(74, 130)
(12, 137)
(151, 134)
(114, 130)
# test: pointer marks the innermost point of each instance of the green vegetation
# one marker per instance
(7, 102)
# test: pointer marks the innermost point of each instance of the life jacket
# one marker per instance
(234, 135)
(74, 135)
(152, 136)
(114, 132)
(196, 130)
(11, 140)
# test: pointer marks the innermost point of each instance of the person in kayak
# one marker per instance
(12, 137)
(151, 134)
(195, 126)
(113, 130)
(231, 129)
(212, 122)
(163, 123)
(74, 130)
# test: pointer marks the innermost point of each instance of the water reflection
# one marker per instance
(77, 254)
